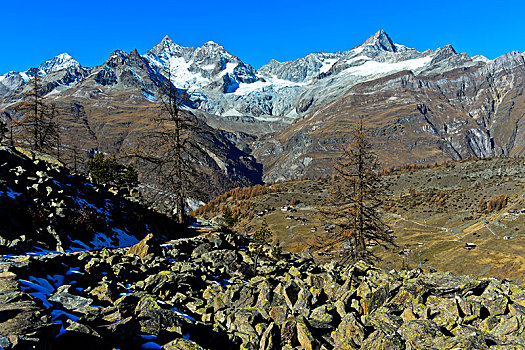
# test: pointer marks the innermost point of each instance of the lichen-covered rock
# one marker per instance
(304, 336)
(182, 344)
(350, 333)
(420, 334)
(144, 247)
(170, 299)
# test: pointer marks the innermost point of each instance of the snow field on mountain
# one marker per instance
(374, 68)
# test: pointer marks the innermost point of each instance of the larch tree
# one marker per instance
(171, 151)
(3, 130)
(39, 123)
(355, 195)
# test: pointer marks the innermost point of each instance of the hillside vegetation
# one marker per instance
(433, 213)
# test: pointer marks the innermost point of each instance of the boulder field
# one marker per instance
(202, 293)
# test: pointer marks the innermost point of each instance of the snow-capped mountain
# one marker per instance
(459, 98)
(209, 66)
(61, 70)
(224, 86)
(62, 61)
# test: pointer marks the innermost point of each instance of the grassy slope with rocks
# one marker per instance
(433, 213)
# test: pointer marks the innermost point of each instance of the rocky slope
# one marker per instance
(45, 208)
(200, 293)
(426, 117)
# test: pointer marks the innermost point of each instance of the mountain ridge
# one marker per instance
(456, 96)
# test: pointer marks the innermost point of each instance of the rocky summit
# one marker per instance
(202, 293)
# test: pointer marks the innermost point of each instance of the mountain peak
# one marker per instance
(381, 41)
(62, 61)
(167, 39)
(167, 46)
(443, 53)
(212, 44)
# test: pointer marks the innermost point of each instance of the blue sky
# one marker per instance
(256, 31)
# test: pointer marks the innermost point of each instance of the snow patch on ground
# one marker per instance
(181, 76)
(10, 193)
(357, 50)
(124, 239)
(357, 58)
(247, 88)
(232, 112)
(182, 314)
(149, 96)
(85, 204)
(137, 76)
(480, 58)
(101, 241)
(120, 239)
(230, 66)
(25, 76)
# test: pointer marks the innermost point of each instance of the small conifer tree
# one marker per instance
(260, 239)
(108, 171)
(227, 217)
(355, 198)
(277, 251)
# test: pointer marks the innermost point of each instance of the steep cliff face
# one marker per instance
(470, 111)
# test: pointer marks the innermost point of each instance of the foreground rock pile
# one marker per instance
(200, 292)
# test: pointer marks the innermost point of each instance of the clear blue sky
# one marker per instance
(256, 31)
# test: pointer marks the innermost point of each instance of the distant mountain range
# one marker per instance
(294, 116)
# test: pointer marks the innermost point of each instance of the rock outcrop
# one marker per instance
(45, 208)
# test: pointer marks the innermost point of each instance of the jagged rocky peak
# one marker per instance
(212, 50)
(444, 53)
(117, 58)
(381, 41)
(169, 48)
(302, 69)
(507, 62)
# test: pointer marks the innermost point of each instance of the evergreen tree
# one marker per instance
(170, 152)
(227, 217)
(259, 240)
(108, 171)
(129, 177)
(354, 201)
(3, 130)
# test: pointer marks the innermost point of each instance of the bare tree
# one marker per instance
(354, 200)
(39, 123)
(3, 130)
(171, 149)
